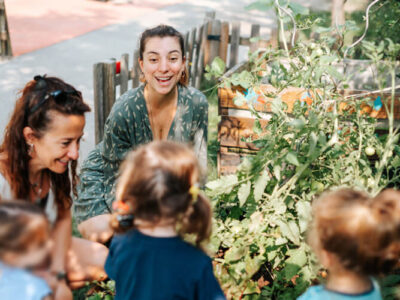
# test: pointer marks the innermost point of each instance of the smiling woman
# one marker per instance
(38, 160)
(162, 108)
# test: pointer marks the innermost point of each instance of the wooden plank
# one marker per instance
(291, 95)
(109, 86)
(189, 50)
(186, 51)
(212, 43)
(255, 33)
(99, 119)
(233, 130)
(124, 74)
(228, 158)
(223, 47)
(5, 41)
(200, 59)
(235, 38)
(135, 72)
(196, 51)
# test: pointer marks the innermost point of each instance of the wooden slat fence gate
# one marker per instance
(5, 42)
(202, 44)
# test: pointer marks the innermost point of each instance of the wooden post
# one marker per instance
(235, 40)
(223, 47)
(200, 60)
(124, 75)
(255, 33)
(109, 86)
(98, 77)
(135, 73)
(5, 42)
(190, 49)
(213, 42)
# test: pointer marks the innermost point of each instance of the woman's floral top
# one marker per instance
(127, 127)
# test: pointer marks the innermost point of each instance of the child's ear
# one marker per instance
(327, 259)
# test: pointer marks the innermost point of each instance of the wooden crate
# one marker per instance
(237, 124)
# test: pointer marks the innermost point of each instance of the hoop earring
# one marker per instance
(31, 148)
(142, 78)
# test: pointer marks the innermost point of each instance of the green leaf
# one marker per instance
(291, 158)
(260, 184)
(327, 59)
(290, 270)
(235, 253)
(246, 79)
(297, 123)
(303, 209)
(257, 128)
(253, 264)
(218, 66)
(297, 256)
(239, 99)
(298, 9)
(263, 5)
(277, 172)
(334, 73)
(224, 185)
(289, 230)
(313, 143)
(244, 192)
(276, 106)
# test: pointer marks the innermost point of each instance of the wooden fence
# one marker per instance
(203, 43)
(5, 43)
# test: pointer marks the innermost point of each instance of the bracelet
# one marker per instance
(60, 275)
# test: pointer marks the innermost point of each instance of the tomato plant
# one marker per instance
(262, 211)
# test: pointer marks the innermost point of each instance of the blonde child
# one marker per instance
(355, 238)
(158, 185)
(24, 245)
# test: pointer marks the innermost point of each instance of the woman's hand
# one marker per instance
(97, 229)
(62, 291)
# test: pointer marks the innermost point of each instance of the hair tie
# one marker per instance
(194, 192)
(121, 207)
(40, 81)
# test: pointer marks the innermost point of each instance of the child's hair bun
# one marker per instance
(362, 232)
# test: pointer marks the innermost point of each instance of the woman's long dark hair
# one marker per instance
(31, 110)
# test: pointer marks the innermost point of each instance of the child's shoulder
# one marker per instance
(15, 282)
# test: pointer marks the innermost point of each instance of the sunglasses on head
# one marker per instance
(59, 96)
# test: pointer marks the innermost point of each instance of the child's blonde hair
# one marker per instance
(19, 223)
(363, 232)
(160, 181)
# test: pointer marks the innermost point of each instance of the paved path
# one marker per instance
(72, 58)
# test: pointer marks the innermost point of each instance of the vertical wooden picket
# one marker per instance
(213, 42)
(124, 73)
(135, 72)
(235, 40)
(109, 85)
(223, 47)
(5, 42)
(255, 33)
(98, 77)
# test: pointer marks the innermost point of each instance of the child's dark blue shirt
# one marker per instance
(153, 268)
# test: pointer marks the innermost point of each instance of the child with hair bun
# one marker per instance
(24, 245)
(158, 186)
(355, 238)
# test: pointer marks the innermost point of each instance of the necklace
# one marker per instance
(153, 126)
(37, 187)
